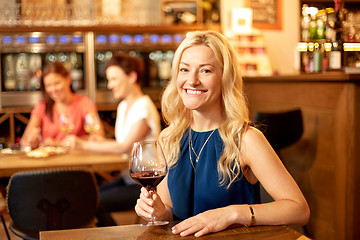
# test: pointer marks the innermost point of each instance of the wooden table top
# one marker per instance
(163, 233)
(12, 163)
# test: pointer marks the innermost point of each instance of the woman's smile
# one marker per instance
(199, 79)
(194, 92)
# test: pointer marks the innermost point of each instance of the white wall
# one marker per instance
(281, 44)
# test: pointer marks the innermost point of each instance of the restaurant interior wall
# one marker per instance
(281, 44)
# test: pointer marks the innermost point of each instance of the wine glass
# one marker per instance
(148, 167)
(66, 125)
(92, 123)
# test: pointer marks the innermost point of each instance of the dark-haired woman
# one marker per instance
(137, 119)
(59, 99)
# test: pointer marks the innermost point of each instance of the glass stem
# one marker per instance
(152, 217)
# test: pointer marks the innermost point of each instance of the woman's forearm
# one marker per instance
(108, 146)
(274, 213)
(168, 216)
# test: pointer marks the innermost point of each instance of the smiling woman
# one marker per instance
(199, 79)
(45, 124)
(215, 156)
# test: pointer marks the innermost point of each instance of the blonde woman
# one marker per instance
(215, 156)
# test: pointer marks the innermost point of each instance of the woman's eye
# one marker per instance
(183, 70)
(205, 71)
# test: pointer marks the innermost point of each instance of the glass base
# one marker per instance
(156, 223)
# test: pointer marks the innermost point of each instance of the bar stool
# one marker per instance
(281, 129)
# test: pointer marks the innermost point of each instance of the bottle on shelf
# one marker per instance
(320, 24)
(335, 56)
(330, 24)
(310, 54)
(164, 67)
(35, 66)
(305, 23)
(318, 58)
(312, 27)
(23, 72)
(9, 70)
(101, 59)
(153, 69)
(76, 70)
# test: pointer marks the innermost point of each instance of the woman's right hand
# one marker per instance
(147, 207)
(33, 139)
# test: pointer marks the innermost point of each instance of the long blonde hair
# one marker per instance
(235, 110)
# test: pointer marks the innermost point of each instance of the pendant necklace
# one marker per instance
(191, 147)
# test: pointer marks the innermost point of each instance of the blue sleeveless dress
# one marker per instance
(193, 192)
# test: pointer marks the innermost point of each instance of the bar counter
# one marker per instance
(324, 162)
(128, 232)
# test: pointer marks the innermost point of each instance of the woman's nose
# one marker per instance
(50, 89)
(193, 79)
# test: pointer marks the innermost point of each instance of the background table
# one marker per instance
(97, 162)
(156, 233)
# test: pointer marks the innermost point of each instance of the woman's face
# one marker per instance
(199, 79)
(118, 81)
(57, 86)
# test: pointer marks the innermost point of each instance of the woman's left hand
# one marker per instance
(96, 138)
(207, 222)
(51, 142)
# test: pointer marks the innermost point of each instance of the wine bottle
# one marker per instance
(35, 66)
(9, 69)
(312, 27)
(164, 68)
(318, 58)
(305, 23)
(320, 24)
(153, 70)
(335, 55)
(22, 70)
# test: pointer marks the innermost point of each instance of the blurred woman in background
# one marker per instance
(60, 113)
(137, 120)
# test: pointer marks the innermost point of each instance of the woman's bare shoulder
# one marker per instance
(254, 142)
(252, 135)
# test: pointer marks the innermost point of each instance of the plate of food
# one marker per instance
(44, 152)
(15, 149)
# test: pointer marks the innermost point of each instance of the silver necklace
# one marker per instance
(191, 147)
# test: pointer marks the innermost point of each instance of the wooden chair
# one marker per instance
(2, 211)
(51, 200)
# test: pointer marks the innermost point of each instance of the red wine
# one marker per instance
(148, 179)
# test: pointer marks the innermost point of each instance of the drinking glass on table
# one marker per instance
(66, 125)
(148, 167)
(92, 123)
